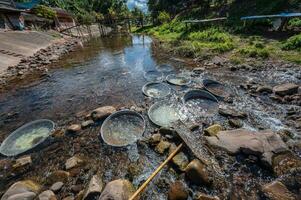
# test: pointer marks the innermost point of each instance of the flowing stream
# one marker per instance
(110, 71)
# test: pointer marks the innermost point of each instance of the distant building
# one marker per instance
(10, 16)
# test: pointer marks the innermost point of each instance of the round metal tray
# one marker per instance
(163, 114)
(156, 90)
(201, 102)
(217, 89)
(122, 128)
(25, 138)
(177, 80)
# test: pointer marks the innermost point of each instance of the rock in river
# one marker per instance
(213, 129)
(73, 162)
(47, 195)
(180, 160)
(56, 186)
(74, 128)
(207, 197)
(197, 173)
(286, 89)
(162, 147)
(94, 188)
(87, 123)
(25, 190)
(277, 191)
(236, 123)
(177, 191)
(263, 143)
(102, 112)
(117, 190)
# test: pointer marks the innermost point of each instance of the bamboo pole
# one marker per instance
(143, 186)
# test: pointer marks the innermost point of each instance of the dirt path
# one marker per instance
(15, 45)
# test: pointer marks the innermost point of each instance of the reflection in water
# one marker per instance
(106, 71)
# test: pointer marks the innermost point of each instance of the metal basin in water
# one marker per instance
(177, 80)
(122, 128)
(153, 75)
(27, 137)
(165, 68)
(217, 89)
(156, 90)
(163, 114)
(201, 102)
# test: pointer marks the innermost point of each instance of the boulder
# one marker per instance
(286, 89)
(57, 186)
(73, 162)
(162, 147)
(231, 112)
(197, 173)
(177, 191)
(74, 128)
(277, 191)
(94, 188)
(213, 129)
(117, 190)
(102, 112)
(263, 143)
(47, 195)
(22, 190)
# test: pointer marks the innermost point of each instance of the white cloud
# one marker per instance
(142, 4)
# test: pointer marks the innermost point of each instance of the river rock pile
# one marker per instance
(40, 60)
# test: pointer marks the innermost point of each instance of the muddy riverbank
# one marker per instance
(111, 72)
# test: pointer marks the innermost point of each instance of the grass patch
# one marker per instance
(209, 42)
(193, 43)
(293, 43)
(254, 52)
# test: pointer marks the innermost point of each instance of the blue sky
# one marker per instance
(142, 4)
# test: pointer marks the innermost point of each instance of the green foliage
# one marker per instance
(295, 22)
(293, 43)
(210, 35)
(163, 17)
(254, 52)
(85, 10)
(44, 11)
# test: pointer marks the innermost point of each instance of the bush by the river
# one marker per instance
(293, 43)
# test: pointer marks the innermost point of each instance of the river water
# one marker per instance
(110, 71)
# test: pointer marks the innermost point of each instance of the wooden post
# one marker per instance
(143, 186)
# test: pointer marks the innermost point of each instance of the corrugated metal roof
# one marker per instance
(281, 15)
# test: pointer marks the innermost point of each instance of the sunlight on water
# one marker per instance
(165, 115)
